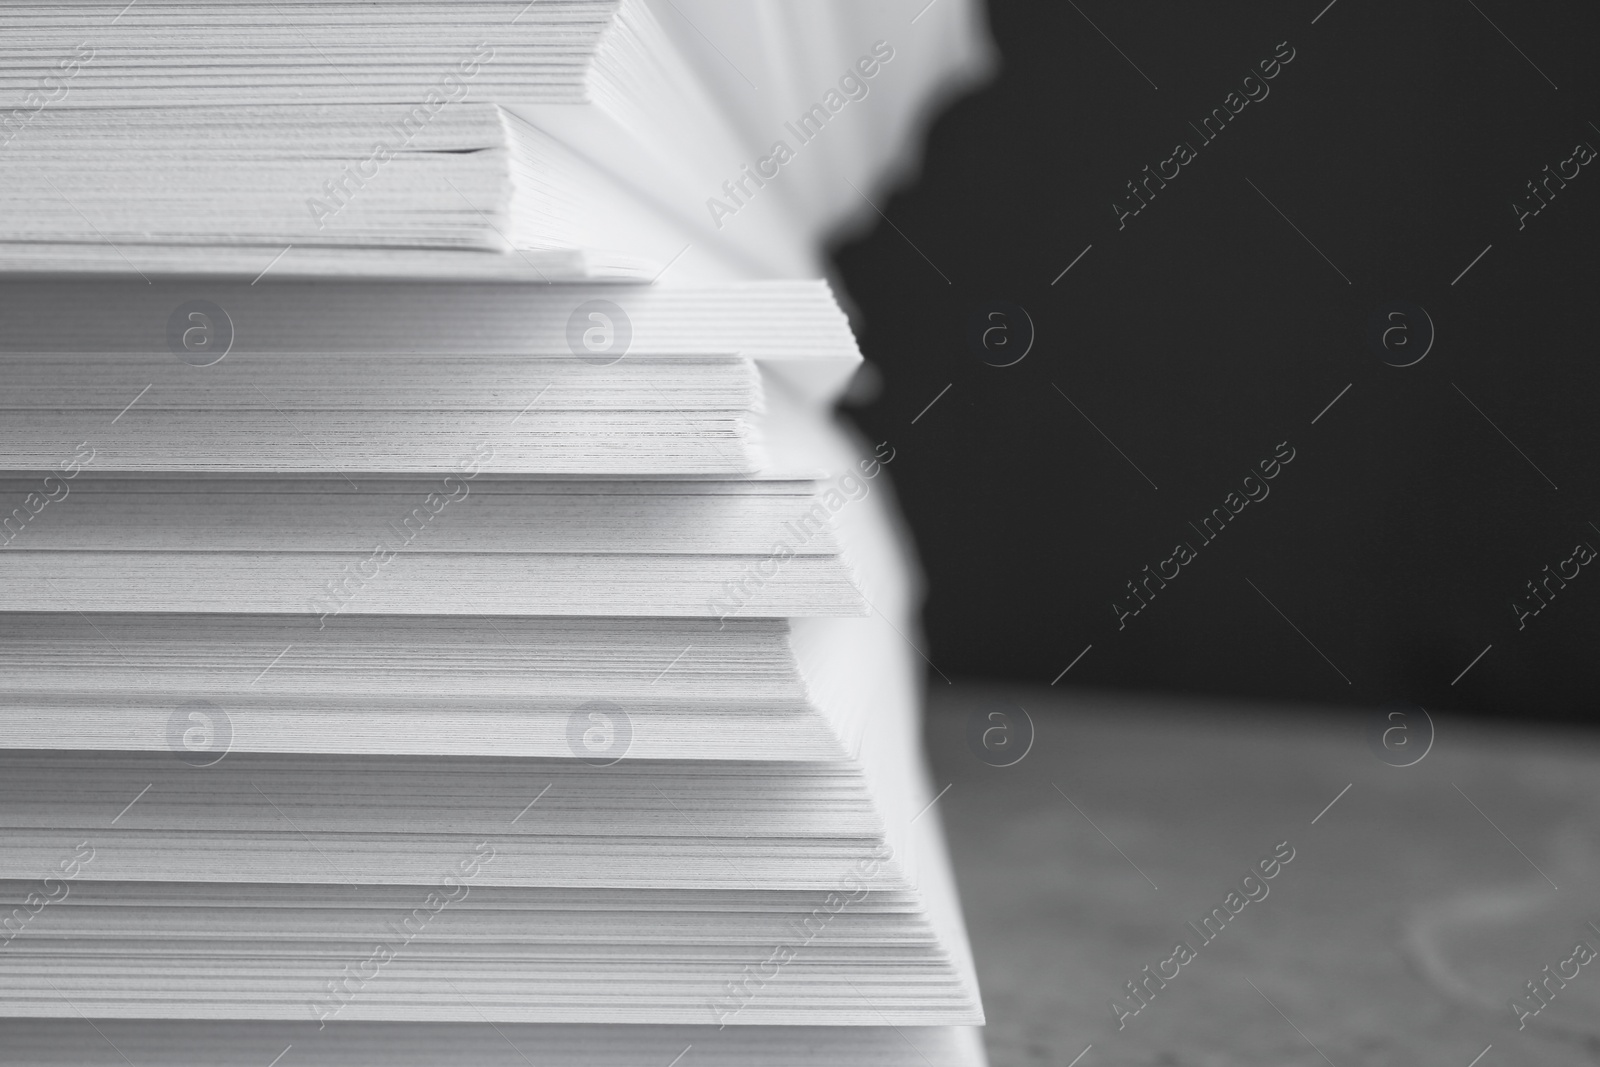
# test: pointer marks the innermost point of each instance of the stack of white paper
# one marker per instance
(448, 628)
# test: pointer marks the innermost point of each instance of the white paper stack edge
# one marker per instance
(402, 667)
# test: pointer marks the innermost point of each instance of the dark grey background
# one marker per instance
(1209, 329)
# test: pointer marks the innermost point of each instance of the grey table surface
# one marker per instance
(1130, 817)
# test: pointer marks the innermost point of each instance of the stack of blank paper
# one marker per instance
(446, 626)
